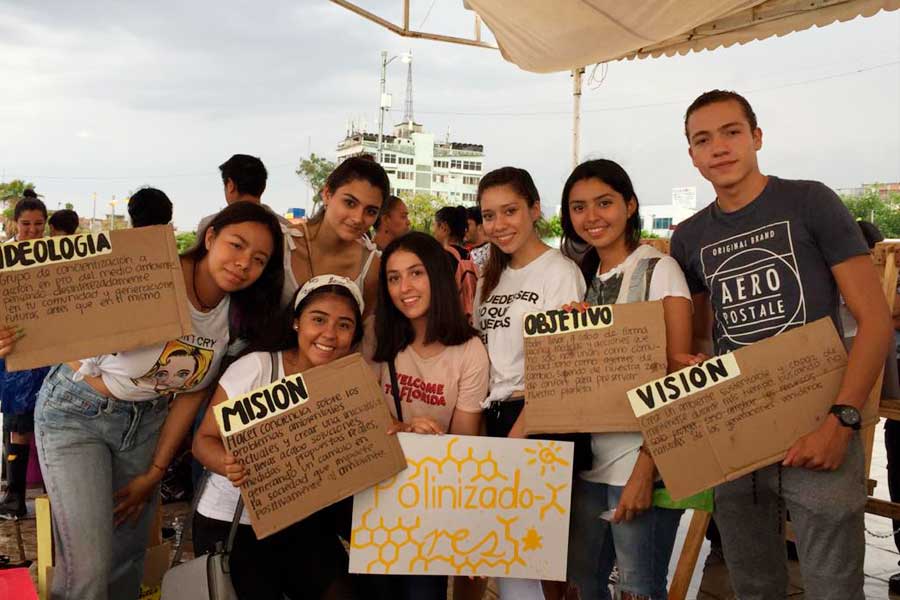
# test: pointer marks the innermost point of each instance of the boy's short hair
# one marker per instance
(246, 172)
(713, 96)
(149, 206)
(65, 220)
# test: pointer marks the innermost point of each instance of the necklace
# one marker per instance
(203, 307)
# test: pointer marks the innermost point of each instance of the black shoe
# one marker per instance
(13, 506)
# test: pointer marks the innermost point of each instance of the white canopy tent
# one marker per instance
(543, 36)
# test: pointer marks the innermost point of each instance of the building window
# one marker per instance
(405, 160)
(467, 180)
(441, 164)
(404, 175)
(665, 223)
(468, 197)
(456, 164)
(390, 158)
(439, 178)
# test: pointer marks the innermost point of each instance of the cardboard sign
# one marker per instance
(308, 441)
(738, 412)
(468, 506)
(579, 365)
(88, 294)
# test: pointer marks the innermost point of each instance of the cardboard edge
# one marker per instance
(181, 297)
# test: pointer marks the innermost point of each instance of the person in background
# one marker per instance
(476, 241)
(63, 222)
(422, 333)
(522, 275)
(18, 390)
(600, 210)
(391, 223)
(789, 248)
(149, 206)
(449, 228)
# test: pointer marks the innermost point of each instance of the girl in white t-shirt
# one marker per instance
(103, 434)
(305, 559)
(522, 275)
(600, 215)
(441, 369)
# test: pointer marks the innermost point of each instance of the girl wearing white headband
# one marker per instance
(325, 323)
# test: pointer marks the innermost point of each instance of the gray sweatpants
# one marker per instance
(827, 512)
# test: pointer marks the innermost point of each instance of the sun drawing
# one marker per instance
(531, 540)
(547, 455)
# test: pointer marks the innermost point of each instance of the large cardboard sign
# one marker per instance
(88, 294)
(735, 413)
(580, 365)
(468, 506)
(308, 441)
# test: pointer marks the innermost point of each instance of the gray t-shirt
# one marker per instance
(767, 266)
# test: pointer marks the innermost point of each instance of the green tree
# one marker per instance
(549, 229)
(185, 240)
(10, 193)
(884, 212)
(648, 235)
(314, 171)
(421, 209)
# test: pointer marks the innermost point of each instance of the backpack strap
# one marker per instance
(239, 509)
(395, 390)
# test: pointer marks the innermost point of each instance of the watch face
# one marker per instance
(849, 415)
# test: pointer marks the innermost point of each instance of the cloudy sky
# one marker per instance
(105, 97)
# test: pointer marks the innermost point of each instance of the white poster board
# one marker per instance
(468, 506)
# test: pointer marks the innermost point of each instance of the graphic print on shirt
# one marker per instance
(417, 389)
(754, 285)
(180, 366)
(494, 312)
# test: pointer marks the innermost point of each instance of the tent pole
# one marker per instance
(576, 114)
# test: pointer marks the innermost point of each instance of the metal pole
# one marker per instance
(381, 106)
(576, 114)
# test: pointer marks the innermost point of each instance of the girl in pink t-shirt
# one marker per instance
(440, 368)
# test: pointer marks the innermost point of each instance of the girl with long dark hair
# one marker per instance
(104, 435)
(602, 227)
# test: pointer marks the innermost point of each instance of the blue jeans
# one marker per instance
(89, 447)
(641, 548)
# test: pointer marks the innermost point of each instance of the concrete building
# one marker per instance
(882, 189)
(662, 219)
(418, 164)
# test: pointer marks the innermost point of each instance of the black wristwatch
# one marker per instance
(847, 415)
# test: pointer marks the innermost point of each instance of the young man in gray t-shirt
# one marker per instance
(768, 255)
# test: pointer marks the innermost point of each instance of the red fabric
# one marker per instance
(16, 583)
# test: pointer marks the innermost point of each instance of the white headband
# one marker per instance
(321, 280)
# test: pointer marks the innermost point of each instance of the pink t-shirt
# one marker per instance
(457, 378)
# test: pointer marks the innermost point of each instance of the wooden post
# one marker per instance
(44, 529)
(690, 552)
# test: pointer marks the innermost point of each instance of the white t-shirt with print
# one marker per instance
(616, 453)
(547, 282)
(244, 375)
(186, 364)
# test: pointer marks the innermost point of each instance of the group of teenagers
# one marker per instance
(269, 298)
